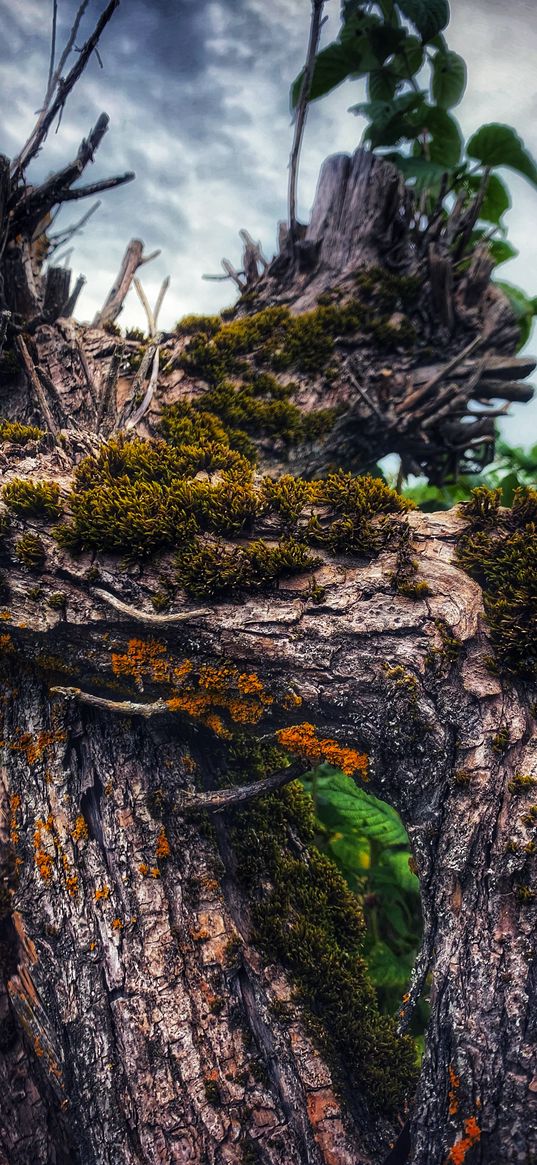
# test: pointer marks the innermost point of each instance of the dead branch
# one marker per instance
(37, 387)
(63, 89)
(113, 304)
(217, 800)
(124, 707)
(38, 200)
(96, 187)
(148, 616)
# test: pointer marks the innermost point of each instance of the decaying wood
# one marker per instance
(142, 1021)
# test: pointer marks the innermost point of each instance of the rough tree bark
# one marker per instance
(144, 1020)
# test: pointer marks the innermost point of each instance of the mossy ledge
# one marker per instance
(140, 497)
(306, 917)
(499, 550)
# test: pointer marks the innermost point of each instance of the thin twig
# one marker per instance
(96, 187)
(140, 412)
(145, 304)
(217, 800)
(148, 616)
(302, 109)
(52, 48)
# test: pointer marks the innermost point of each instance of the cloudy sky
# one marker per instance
(197, 94)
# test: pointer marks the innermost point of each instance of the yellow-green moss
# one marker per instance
(19, 434)
(499, 550)
(31, 552)
(36, 499)
(306, 917)
(207, 569)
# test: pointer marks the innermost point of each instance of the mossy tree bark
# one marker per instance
(165, 999)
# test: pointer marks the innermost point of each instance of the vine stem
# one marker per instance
(302, 109)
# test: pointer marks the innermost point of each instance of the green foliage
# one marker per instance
(413, 80)
(306, 916)
(368, 842)
(512, 469)
(37, 499)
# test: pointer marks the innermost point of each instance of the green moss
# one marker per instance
(404, 577)
(37, 499)
(112, 329)
(19, 434)
(500, 741)
(57, 601)
(135, 334)
(499, 550)
(207, 569)
(191, 325)
(31, 552)
(306, 917)
(212, 1091)
(521, 783)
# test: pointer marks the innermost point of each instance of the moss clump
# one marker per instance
(57, 601)
(359, 506)
(191, 325)
(210, 568)
(499, 550)
(135, 334)
(19, 434)
(36, 499)
(30, 551)
(404, 577)
(112, 329)
(388, 291)
(306, 917)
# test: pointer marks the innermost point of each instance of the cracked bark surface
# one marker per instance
(143, 1023)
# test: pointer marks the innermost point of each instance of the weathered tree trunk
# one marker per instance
(157, 1003)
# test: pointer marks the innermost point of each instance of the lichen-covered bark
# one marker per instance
(165, 999)
(161, 1046)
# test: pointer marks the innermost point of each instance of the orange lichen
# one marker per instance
(291, 700)
(303, 740)
(38, 1047)
(142, 658)
(92, 946)
(454, 1082)
(250, 685)
(71, 883)
(80, 831)
(14, 806)
(102, 892)
(162, 849)
(458, 1152)
(143, 869)
(154, 872)
(6, 643)
(42, 859)
(34, 747)
(117, 924)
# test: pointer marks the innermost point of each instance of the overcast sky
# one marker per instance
(197, 94)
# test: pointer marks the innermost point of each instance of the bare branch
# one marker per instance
(40, 199)
(116, 296)
(148, 616)
(124, 707)
(68, 46)
(302, 109)
(160, 298)
(69, 307)
(37, 387)
(217, 800)
(96, 187)
(145, 304)
(137, 416)
(52, 50)
(64, 87)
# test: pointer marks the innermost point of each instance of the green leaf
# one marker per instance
(449, 79)
(332, 66)
(497, 199)
(446, 139)
(502, 251)
(524, 308)
(429, 16)
(408, 61)
(500, 145)
(426, 175)
(386, 40)
(381, 85)
(343, 807)
(393, 868)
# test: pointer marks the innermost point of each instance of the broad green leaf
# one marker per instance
(381, 85)
(408, 61)
(449, 79)
(393, 867)
(429, 16)
(497, 198)
(426, 175)
(446, 140)
(500, 145)
(385, 40)
(343, 806)
(352, 856)
(332, 66)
